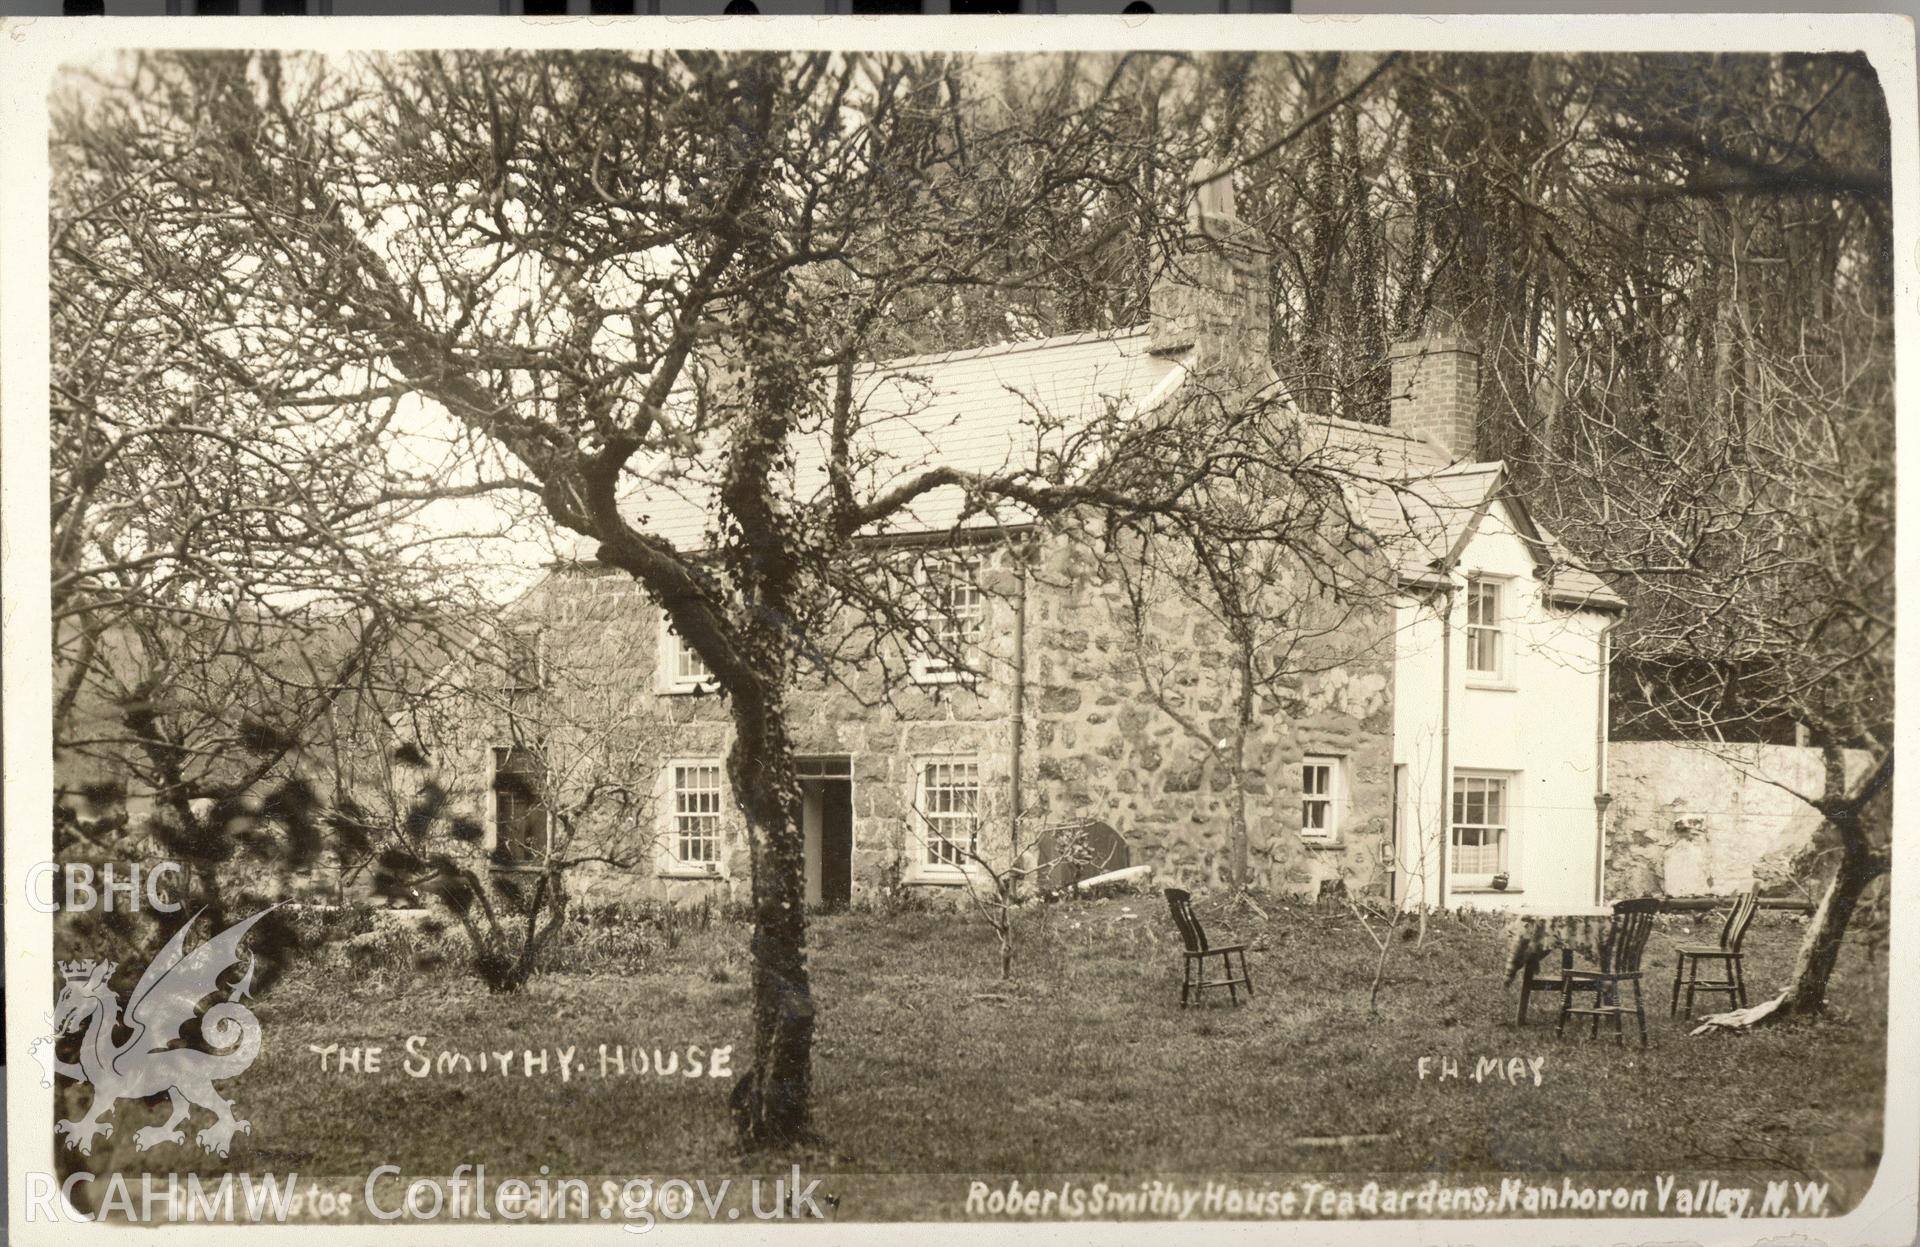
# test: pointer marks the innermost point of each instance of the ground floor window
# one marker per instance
(1320, 799)
(693, 834)
(519, 811)
(947, 804)
(1481, 830)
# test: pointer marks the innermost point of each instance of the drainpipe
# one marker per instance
(1019, 677)
(1446, 727)
(1601, 797)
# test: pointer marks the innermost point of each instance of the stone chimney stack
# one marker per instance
(1211, 297)
(1436, 390)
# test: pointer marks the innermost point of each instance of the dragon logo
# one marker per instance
(165, 999)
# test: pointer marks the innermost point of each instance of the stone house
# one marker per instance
(1453, 752)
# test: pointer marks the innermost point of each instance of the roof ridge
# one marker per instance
(1467, 467)
(1364, 426)
(899, 362)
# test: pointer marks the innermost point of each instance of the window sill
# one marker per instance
(687, 872)
(1322, 842)
(1494, 686)
(946, 677)
(936, 877)
(687, 690)
(1484, 889)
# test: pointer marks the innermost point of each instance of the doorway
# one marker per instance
(826, 788)
(1396, 830)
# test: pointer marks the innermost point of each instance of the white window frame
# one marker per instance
(1503, 864)
(670, 863)
(1500, 675)
(674, 654)
(1334, 799)
(924, 833)
(940, 580)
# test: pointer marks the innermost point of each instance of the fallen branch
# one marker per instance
(1126, 874)
(1742, 1019)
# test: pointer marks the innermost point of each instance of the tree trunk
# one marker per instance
(1861, 862)
(773, 1100)
(1859, 866)
(1243, 726)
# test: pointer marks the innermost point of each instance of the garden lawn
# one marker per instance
(927, 1063)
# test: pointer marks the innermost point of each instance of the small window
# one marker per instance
(1481, 830)
(681, 669)
(1320, 796)
(522, 668)
(1486, 638)
(947, 804)
(521, 671)
(955, 618)
(520, 825)
(693, 830)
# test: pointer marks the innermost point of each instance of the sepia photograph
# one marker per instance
(776, 621)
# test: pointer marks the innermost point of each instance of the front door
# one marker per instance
(836, 842)
(826, 786)
(1396, 828)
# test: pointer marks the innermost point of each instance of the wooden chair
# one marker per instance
(1686, 970)
(1622, 945)
(1193, 971)
(1531, 982)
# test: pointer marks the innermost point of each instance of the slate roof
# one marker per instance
(1419, 506)
(981, 411)
(996, 408)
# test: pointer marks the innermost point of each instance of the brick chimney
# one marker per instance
(1436, 390)
(1211, 295)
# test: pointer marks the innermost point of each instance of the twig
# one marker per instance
(1307, 123)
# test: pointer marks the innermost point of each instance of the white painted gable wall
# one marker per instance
(1541, 729)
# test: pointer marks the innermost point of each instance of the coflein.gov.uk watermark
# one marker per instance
(467, 1194)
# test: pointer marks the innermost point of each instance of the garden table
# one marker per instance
(1531, 935)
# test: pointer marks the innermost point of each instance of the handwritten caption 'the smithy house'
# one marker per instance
(416, 1059)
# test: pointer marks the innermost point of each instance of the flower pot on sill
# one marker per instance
(1500, 882)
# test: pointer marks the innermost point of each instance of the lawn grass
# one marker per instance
(928, 1064)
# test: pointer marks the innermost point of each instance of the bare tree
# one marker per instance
(1676, 270)
(1759, 557)
(634, 269)
(625, 275)
(240, 570)
(571, 788)
(1747, 511)
(1297, 598)
(1002, 862)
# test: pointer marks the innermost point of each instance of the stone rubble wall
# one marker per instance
(1095, 746)
(1104, 748)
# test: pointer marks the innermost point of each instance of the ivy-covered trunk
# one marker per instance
(772, 1100)
(772, 1103)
